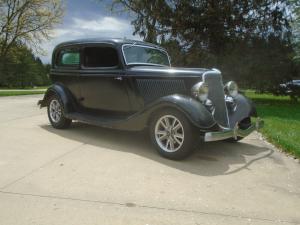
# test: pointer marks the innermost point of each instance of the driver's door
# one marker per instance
(103, 86)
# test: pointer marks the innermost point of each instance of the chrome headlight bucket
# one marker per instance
(200, 91)
(231, 89)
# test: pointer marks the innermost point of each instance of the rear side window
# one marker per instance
(100, 57)
(68, 57)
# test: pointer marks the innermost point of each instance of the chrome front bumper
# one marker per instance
(233, 133)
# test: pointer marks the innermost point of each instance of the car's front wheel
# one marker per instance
(56, 113)
(172, 134)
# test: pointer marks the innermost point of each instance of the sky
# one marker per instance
(88, 19)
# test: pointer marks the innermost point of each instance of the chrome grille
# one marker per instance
(217, 96)
(152, 89)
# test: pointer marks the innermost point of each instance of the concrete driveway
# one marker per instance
(88, 175)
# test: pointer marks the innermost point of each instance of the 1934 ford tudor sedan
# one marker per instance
(130, 85)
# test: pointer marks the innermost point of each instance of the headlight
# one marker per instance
(231, 88)
(200, 91)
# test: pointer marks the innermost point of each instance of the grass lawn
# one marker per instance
(21, 92)
(282, 120)
(25, 88)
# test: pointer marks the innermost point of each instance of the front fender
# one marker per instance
(244, 108)
(253, 111)
(196, 113)
(193, 109)
(63, 93)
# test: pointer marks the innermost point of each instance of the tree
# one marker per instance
(27, 21)
(207, 23)
(246, 39)
(296, 32)
(24, 24)
(22, 69)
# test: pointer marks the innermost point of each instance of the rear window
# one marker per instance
(69, 57)
(100, 57)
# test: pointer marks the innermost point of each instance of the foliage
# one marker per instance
(23, 69)
(207, 23)
(247, 40)
(27, 21)
(24, 24)
(296, 31)
(282, 120)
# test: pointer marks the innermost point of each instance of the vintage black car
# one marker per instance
(130, 85)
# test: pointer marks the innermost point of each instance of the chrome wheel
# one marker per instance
(55, 111)
(169, 133)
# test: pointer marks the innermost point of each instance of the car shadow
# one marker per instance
(209, 159)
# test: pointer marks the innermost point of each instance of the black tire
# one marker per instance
(61, 122)
(232, 140)
(244, 124)
(189, 135)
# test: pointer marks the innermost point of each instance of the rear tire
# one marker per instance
(172, 134)
(244, 124)
(56, 115)
(232, 140)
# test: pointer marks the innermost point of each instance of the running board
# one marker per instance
(133, 122)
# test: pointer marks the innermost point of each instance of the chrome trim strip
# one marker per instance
(233, 133)
(216, 70)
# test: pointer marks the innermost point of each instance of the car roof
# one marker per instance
(115, 41)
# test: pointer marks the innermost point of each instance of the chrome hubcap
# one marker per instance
(55, 110)
(169, 133)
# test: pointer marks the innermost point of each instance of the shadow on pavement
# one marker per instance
(209, 159)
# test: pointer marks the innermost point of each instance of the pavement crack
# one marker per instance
(42, 166)
(132, 205)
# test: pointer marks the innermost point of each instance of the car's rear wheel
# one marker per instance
(56, 113)
(172, 134)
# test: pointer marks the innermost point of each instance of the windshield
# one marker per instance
(138, 54)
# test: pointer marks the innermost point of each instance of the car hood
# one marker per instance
(157, 71)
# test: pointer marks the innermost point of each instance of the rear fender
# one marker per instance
(63, 93)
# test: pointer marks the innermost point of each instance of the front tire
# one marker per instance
(172, 134)
(56, 113)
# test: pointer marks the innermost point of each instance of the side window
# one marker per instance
(100, 57)
(68, 57)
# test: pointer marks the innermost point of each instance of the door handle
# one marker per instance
(118, 78)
